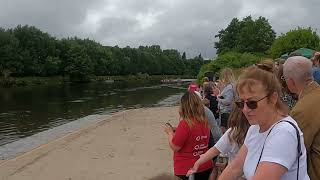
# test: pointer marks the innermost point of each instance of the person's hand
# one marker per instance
(221, 165)
(193, 170)
(219, 97)
(168, 129)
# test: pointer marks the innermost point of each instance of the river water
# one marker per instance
(26, 111)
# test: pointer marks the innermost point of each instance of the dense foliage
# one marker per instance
(248, 41)
(27, 51)
(230, 59)
(294, 39)
(248, 35)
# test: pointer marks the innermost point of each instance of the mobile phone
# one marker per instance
(169, 125)
(221, 97)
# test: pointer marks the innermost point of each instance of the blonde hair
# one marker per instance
(239, 126)
(267, 65)
(192, 109)
(227, 76)
(268, 80)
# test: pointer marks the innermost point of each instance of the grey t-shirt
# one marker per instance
(225, 104)
(214, 123)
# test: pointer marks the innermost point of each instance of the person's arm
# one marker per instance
(235, 169)
(215, 129)
(227, 96)
(172, 146)
(269, 171)
(212, 152)
(178, 138)
(306, 126)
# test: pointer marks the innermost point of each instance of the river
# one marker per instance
(26, 111)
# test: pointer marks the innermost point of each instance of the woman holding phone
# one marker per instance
(191, 138)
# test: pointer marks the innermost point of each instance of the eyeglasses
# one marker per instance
(251, 104)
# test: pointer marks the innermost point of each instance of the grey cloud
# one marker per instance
(184, 25)
(113, 28)
(58, 17)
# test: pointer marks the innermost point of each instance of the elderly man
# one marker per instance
(298, 74)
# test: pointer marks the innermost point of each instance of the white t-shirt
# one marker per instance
(226, 147)
(280, 147)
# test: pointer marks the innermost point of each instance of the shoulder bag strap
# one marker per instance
(299, 151)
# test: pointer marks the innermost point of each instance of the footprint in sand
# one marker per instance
(111, 155)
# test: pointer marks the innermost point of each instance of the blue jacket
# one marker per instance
(316, 74)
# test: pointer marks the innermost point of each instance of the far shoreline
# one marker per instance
(35, 81)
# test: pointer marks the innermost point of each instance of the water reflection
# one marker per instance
(29, 110)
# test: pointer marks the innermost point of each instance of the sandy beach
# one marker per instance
(128, 145)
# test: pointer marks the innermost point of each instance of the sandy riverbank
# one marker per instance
(128, 145)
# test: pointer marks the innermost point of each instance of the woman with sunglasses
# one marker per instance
(191, 138)
(229, 143)
(274, 146)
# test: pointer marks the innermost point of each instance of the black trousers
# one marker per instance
(204, 175)
(224, 119)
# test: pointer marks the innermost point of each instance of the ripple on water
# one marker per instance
(170, 101)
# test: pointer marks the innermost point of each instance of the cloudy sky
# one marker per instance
(186, 25)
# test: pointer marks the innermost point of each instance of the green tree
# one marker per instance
(184, 57)
(10, 59)
(294, 39)
(27, 51)
(227, 37)
(36, 45)
(248, 35)
(230, 59)
(255, 36)
(78, 67)
(51, 66)
(175, 61)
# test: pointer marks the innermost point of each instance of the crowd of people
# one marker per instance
(266, 124)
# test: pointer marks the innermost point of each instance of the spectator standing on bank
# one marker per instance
(298, 75)
(226, 97)
(191, 137)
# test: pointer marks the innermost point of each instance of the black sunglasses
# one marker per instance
(251, 104)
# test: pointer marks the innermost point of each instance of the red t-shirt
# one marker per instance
(193, 142)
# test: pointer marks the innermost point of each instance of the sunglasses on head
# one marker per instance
(264, 67)
(251, 104)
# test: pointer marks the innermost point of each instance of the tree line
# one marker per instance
(27, 51)
(248, 41)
